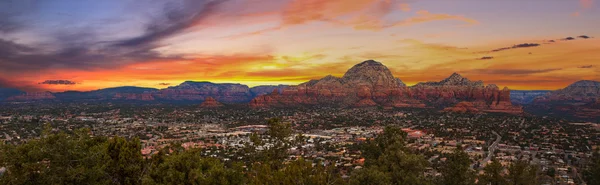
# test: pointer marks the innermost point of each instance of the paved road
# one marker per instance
(491, 149)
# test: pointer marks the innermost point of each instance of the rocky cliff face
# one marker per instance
(265, 89)
(370, 83)
(454, 80)
(210, 102)
(198, 91)
(370, 74)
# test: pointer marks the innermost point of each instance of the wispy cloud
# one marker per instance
(425, 16)
(58, 82)
(175, 19)
(524, 45)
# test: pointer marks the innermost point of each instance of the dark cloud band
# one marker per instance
(58, 82)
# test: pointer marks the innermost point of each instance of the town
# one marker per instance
(558, 147)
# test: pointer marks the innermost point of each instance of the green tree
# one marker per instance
(189, 168)
(55, 159)
(295, 172)
(521, 173)
(272, 148)
(456, 170)
(591, 173)
(551, 172)
(388, 161)
(492, 174)
(370, 176)
(267, 165)
(125, 163)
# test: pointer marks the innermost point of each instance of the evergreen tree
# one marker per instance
(456, 170)
(268, 166)
(125, 163)
(296, 172)
(521, 173)
(189, 168)
(591, 174)
(54, 159)
(492, 174)
(389, 162)
(273, 148)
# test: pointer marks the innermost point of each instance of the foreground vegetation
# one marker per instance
(78, 158)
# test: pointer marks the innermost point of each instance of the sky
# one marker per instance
(59, 45)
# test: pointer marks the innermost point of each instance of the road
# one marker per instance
(491, 149)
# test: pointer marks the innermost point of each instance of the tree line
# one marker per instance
(79, 158)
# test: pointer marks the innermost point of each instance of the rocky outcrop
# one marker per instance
(198, 91)
(34, 96)
(210, 102)
(371, 74)
(134, 96)
(265, 89)
(454, 80)
(370, 83)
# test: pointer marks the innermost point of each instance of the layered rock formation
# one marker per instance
(210, 102)
(198, 91)
(265, 89)
(370, 83)
(133, 96)
(463, 107)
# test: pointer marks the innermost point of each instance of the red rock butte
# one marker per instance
(371, 83)
(210, 102)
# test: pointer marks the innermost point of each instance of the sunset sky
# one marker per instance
(58, 45)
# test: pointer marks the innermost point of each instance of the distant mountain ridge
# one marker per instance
(369, 83)
(580, 100)
(188, 91)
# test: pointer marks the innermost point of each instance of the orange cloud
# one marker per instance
(575, 14)
(425, 16)
(405, 7)
(360, 15)
(303, 11)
